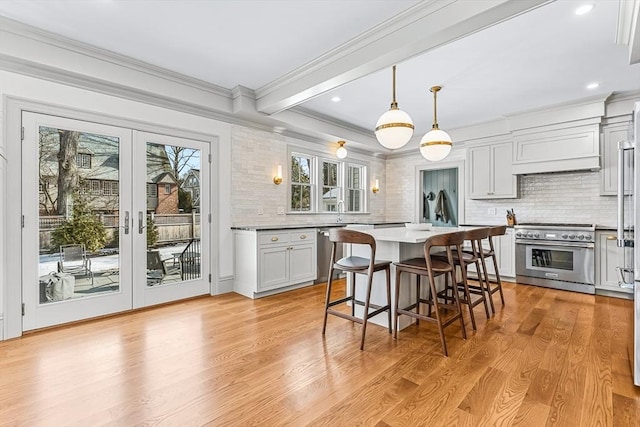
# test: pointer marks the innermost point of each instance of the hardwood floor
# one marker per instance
(548, 358)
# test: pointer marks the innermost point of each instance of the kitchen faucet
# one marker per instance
(340, 203)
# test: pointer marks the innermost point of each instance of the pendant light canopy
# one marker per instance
(436, 144)
(341, 152)
(394, 128)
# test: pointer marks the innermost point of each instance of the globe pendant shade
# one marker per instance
(394, 129)
(435, 145)
(341, 152)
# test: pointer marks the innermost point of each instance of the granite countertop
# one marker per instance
(299, 226)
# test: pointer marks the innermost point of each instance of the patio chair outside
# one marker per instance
(156, 269)
(74, 260)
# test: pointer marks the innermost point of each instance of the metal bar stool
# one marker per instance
(356, 265)
(432, 267)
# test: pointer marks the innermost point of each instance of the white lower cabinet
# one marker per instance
(505, 254)
(608, 257)
(269, 262)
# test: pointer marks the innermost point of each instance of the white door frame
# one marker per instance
(13, 108)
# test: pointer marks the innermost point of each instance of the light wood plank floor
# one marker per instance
(548, 358)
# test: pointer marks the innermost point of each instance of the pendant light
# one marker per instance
(436, 144)
(394, 128)
(341, 152)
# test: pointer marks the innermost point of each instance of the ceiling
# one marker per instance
(520, 61)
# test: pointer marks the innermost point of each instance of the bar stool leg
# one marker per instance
(327, 299)
(395, 311)
(388, 271)
(432, 285)
(365, 316)
(483, 279)
(467, 294)
(457, 298)
(353, 294)
(498, 280)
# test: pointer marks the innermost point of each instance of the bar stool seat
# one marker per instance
(356, 265)
(428, 266)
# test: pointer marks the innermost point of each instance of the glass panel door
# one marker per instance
(172, 218)
(76, 202)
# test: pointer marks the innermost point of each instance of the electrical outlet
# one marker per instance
(280, 210)
(260, 211)
(491, 211)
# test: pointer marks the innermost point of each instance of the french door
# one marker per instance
(114, 219)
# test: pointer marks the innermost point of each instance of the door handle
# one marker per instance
(126, 222)
(141, 225)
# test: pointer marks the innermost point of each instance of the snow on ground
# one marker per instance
(48, 263)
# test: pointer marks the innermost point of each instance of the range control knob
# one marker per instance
(572, 236)
(536, 235)
(529, 235)
(581, 237)
(564, 236)
(518, 234)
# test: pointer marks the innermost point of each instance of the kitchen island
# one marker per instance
(393, 244)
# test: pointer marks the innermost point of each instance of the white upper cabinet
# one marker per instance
(611, 135)
(490, 172)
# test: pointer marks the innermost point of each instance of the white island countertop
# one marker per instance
(404, 235)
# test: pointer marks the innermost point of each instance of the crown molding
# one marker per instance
(628, 29)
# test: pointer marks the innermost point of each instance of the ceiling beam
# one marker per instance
(421, 28)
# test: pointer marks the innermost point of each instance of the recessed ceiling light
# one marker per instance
(336, 99)
(584, 9)
(593, 85)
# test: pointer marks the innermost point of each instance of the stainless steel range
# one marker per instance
(559, 256)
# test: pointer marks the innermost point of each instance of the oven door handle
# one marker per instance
(556, 244)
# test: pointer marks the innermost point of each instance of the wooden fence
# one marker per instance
(171, 228)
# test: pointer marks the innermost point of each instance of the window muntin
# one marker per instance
(301, 183)
(355, 188)
(330, 186)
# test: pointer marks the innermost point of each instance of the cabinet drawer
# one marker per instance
(303, 235)
(274, 238)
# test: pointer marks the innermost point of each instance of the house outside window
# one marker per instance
(83, 161)
(167, 189)
(301, 183)
(152, 190)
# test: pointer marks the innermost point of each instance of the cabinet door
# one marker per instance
(479, 159)
(608, 257)
(611, 135)
(274, 267)
(506, 254)
(303, 263)
(504, 182)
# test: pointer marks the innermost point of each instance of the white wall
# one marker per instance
(256, 155)
(41, 91)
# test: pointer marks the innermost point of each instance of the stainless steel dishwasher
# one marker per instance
(324, 255)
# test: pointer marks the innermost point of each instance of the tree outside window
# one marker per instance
(301, 173)
(355, 188)
(330, 188)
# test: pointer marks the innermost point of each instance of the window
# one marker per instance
(110, 188)
(355, 188)
(301, 179)
(152, 190)
(95, 186)
(330, 188)
(167, 189)
(334, 180)
(83, 161)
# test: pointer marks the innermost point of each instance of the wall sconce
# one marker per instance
(277, 180)
(376, 187)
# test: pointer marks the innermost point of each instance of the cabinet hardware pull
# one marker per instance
(612, 237)
(304, 236)
(274, 239)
